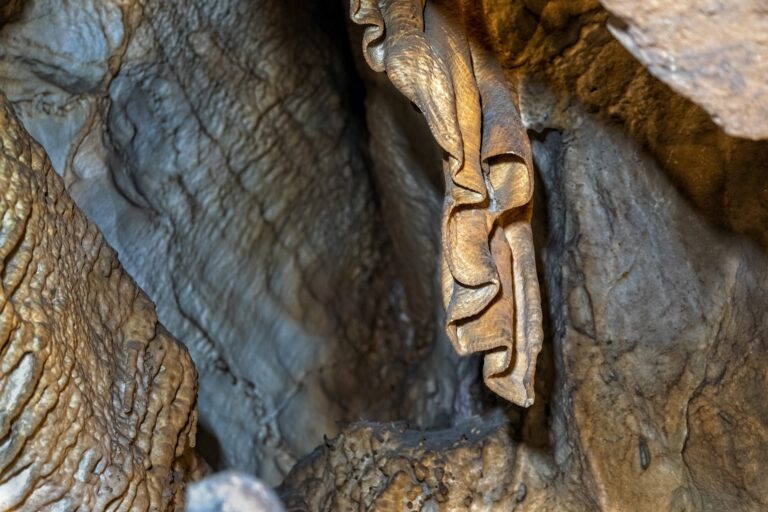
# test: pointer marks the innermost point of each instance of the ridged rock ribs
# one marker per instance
(97, 401)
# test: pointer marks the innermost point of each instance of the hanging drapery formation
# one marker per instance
(434, 53)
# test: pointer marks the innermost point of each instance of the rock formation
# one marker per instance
(653, 311)
(388, 467)
(224, 158)
(281, 201)
(713, 52)
(97, 401)
(433, 55)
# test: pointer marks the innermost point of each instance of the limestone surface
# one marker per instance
(650, 230)
(220, 147)
(381, 467)
(97, 400)
(713, 52)
(284, 214)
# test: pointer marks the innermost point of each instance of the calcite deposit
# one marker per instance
(273, 174)
(392, 467)
(97, 400)
(435, 54)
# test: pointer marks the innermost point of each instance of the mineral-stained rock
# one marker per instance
(435, 58)
(97, 401)
(656, 312)
(383, 467)
(659, 342)
(712, 51)
(220, 148)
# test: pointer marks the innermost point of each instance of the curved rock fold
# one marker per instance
(435, 55)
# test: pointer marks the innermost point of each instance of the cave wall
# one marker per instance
(709, 51)
(652, 249)
(224, 157)
(280, 211)
(97, 400)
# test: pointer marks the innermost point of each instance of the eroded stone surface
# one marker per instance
(390, 467)
(713, 52)
(650, 230)
(97, 400)
(643, 303)
(655, 310)
(220, 148)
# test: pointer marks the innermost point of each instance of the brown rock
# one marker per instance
(472, 462)
(711, 51)
(97, 401)
(655, 312)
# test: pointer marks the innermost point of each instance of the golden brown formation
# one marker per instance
(435, 53)
(383, 468)
(97, 401)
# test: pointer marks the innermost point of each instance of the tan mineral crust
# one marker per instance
(389, 467)
(97, 400)
(434, 55)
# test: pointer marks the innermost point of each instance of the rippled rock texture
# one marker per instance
(97, 400)
(285, 214)
(654, 268)
(220, 147)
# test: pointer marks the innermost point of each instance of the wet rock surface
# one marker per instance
(220, 147)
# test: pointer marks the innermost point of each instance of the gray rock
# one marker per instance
(231, 491)
(220, 148)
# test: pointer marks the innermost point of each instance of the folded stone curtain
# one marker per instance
(433, 52)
